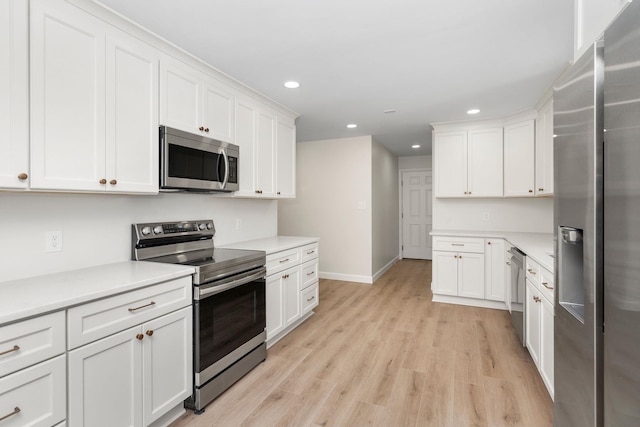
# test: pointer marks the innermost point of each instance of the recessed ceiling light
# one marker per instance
(352, 125)
(415, 146)
(292, 85)
(473, 111)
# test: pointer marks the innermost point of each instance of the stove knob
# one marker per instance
(146, 231)
(157, 229)
(202, 226)
(209, 226)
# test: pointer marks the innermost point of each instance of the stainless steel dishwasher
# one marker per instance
(518, 292)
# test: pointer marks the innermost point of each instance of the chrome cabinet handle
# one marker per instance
(546, 285)
(15, 411)
(143, 306)
(11, 350)
(284, 260)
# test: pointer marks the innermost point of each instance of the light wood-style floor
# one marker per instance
(385, 355)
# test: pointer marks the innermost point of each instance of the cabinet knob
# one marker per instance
(23, 176)
(201, 128)
(149, 332)
(140, 336)
(488, 243)
(278, 193)
(206, 130)
(465, 192)
(540, 189)
(469, 192)
(113, 182)
(508, 263)
(530, 191)
(103, 181)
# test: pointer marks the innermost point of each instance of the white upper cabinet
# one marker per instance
(450, 163)
(93, 104)
(265, 153)
(192, 101)
(469, 163)
(246, 138)
(14, 94)
(519, 158)
(285, 158)
(544, 150)
(484, 163)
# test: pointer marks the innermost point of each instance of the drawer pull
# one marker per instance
(285, 276)
(536, 299)
(531, 271)
(457, 244)
(546, 285)
(15, 348)
(310, 252)
(309, 274)
(15, 411)
(311, 299)
(284, 260)
(508, 263)
(143, 306)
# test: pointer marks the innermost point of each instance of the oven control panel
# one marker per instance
(166, 229)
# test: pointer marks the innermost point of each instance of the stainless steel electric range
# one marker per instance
(229, 314)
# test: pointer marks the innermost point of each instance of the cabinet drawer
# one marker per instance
(98, 319)
(309, 298)
(35, 396)
(31, 341)
(282, 260)
(309, 273)
(533, 272)
(309, 252)
(458, 244)
(547, 287)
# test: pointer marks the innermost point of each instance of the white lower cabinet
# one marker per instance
(494, 270)
(539, 321)
(153, 374)
(34, 396)
(274, 302)
(507, 275)
(459, 267)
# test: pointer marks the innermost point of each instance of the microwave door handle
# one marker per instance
(226, 168)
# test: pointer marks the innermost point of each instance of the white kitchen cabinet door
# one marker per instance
(132, 139)
(494, 271)
(445, 273)
(546, 344)
(265, 153)
(450, 164)
(246, 125)
(471, 275)
(181, 89)
(285, 158)
(167, 363)
(35, 396)
(291, 289)
(507, 276)
(105, 381)
(67, 97)
(544, 150)
(274, 301)
(14, 94)
(484, 163)
(218, 111)
(532, 322)
(519, 159)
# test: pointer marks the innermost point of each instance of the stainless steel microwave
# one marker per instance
(192, 162)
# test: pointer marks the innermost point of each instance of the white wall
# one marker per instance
(507, 214)
(415, 162)
(384, 208)
(333, 202)
(97, 228)
(592, 17)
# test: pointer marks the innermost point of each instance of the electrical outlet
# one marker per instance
(54, 241)
(485, 215)
(238, 223)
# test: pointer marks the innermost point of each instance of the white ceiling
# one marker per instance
(429, 60)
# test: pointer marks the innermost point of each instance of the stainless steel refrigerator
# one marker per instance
(597, 225)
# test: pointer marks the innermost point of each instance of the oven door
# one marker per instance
(229, 315)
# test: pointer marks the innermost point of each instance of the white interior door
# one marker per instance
(416, 214)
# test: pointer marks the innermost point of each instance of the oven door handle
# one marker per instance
(201, 293)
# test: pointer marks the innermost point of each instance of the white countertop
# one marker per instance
(273, 244)
(535, 245)
(34, 296)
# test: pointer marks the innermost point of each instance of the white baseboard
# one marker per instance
(448, 299)
(346, 277)
(384, 269)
